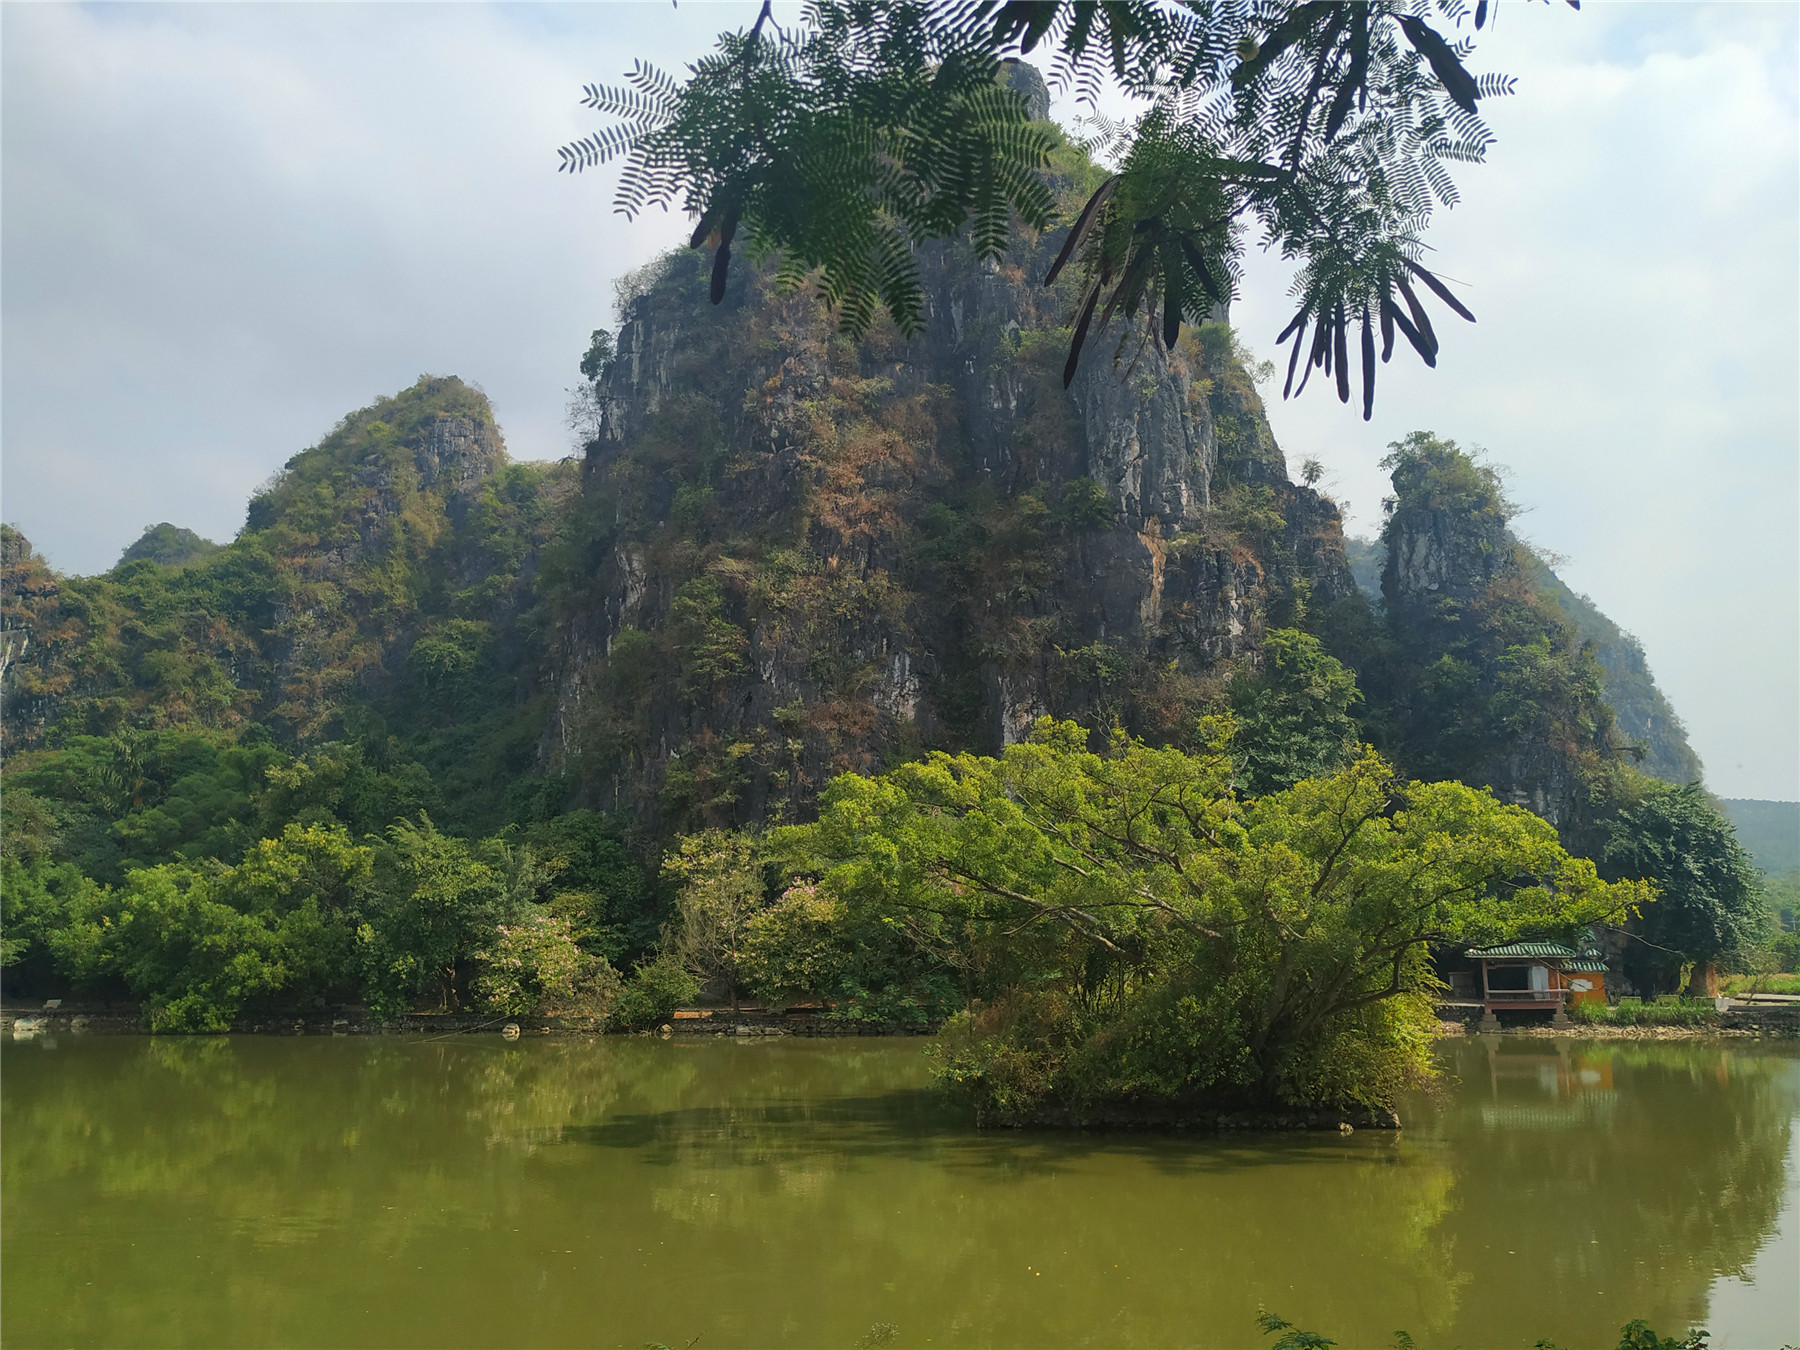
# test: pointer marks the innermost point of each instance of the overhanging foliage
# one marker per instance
(842, 143)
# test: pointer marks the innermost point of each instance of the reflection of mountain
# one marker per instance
(353, 1192)
(1603, 1182)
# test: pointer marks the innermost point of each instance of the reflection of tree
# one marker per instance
(314, 1156)
(1041, 1239)
(357, 1192)
(1601, 1182)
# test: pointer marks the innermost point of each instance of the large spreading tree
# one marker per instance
(1130, 931)
(836, 146)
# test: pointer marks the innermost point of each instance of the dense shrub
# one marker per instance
(655, 990)
(535, 966)
(193, 960)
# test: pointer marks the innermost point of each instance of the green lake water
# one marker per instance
(470, 1192)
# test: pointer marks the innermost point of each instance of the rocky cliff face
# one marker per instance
(845, 552)
(1477, 672)
(784, 555)
(1643, 714)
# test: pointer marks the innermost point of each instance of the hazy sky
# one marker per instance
(223, 227)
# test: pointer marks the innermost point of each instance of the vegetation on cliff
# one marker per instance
(904, 544)
(349, 695)
(380, 597)
(1477, 666)
(1641, 712)
(438, 730)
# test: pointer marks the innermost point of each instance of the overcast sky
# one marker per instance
(222, 227)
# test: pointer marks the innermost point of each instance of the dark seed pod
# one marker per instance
(1298, 329)
(1081, 328)
(1171, 325)
(722, 257)
(1342, 355)
(1368, 364)
(1083, 224)
(1440, 290)
(1421, 320)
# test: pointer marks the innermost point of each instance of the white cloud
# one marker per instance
(1630, 253)
(225, 226)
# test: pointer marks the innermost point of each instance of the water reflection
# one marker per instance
(1613, 1179)
(472, 1192)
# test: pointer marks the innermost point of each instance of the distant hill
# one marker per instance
(1770, 830)
(381, 592)
(1642, 710)
(1366, 558)
(170, 545)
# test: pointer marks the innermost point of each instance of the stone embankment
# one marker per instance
(802, 1021)
(23, 1023)
(1740, 1020)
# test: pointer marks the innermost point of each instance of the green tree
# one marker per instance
(596, 880)
(166, 937)
(435, 904)
(598, 357)
(1709, 891)
(709, 647)
(1137, 932)
(842, 142)
(307, 886)
(1293, 716)
(36, 898)
(534, 965)
(656, 989)
(808, 944)
(721, 880)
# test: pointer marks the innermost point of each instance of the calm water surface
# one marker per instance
(470, 1192)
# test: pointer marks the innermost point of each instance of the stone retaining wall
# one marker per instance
(22, 1022)
(752, 1022)
(1767, 1021)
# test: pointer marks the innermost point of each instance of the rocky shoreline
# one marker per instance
(1782, 1023)
(22, 1023)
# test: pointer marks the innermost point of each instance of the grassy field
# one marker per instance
(1631, 1012)
(1762, 984)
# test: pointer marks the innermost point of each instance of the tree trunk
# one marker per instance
(1704, 981)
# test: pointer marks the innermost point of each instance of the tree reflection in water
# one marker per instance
(470, 1192)
(1613, 1179)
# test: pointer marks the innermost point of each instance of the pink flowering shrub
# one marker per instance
(535, 966)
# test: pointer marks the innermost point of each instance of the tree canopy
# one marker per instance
(1711, 896)
(1293, 715)
(843, 142)
(1135, 930)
